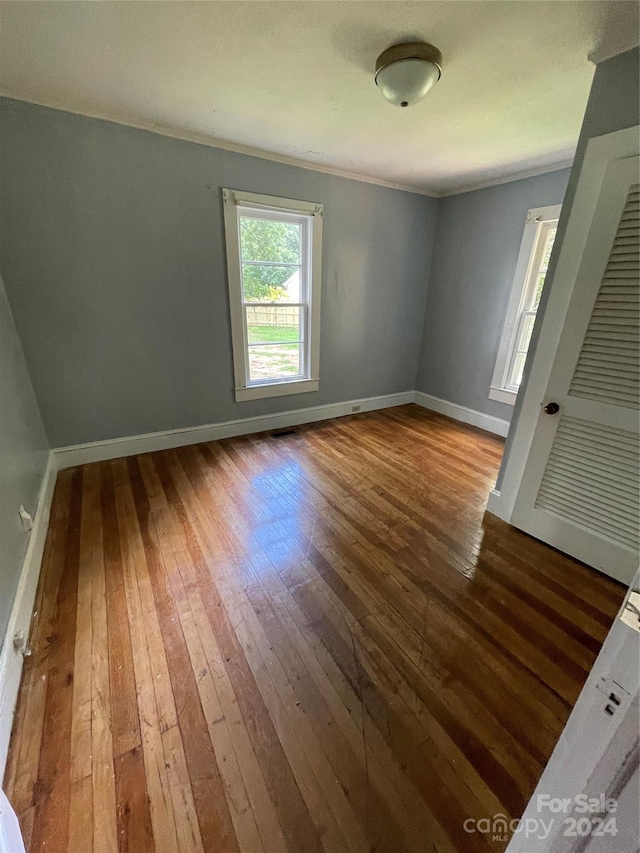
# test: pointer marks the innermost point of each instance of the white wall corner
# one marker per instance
(497, 426)
(22, 611)
(620, 34)
(496, 506)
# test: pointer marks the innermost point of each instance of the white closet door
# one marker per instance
(580, 487)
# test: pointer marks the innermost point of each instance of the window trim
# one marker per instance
(537, 217)
(232, 201)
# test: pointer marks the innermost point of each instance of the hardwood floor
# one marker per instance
(307, 643)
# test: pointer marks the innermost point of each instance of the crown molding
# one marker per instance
(224, 144)
(238, 148)
(512, 176)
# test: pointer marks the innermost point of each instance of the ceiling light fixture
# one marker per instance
(406, 72)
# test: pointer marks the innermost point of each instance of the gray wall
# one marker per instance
(23, 457)
(614, 103)
(112, 252)
(477, 241)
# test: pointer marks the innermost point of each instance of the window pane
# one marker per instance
(544, 266)
(269, 324)
(266, 240)
(275, 361)
(525, 328)
(518, 369)
(270, 283)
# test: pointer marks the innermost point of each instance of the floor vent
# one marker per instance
(280, 433)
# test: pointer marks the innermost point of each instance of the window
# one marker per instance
(531, 270)
(274, 251)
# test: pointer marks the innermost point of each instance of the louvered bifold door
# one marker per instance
(581, 486)
(607, 368)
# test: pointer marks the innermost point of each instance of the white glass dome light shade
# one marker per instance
(406, 72)
(406, 81)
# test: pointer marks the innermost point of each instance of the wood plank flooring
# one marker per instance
(307, 643)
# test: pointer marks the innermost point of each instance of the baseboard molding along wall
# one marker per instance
(11, 660)
(114, 448)
(98, 451)
(498, 426)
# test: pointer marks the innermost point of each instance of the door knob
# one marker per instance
(552, 408)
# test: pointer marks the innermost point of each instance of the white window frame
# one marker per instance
(537, 222)
(309, 215)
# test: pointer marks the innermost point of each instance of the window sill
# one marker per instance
(503, 395)
(277, 389)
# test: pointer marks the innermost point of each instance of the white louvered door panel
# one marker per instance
(591, 477)
(581, 484)
(607, 368)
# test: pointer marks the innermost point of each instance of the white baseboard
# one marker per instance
(114, 448)
(498, 426)
(22, 610)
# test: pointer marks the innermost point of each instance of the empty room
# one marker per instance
(319, 415)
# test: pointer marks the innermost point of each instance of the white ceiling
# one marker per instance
(295, 79)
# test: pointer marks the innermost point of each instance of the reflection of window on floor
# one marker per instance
(531, 270)
(273, 257)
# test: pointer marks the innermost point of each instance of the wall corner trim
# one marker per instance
(496, 506)
(498, 426)
(22, 611)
